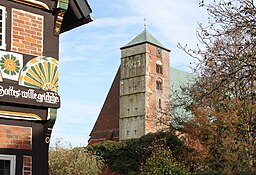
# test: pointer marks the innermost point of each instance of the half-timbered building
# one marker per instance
(29, 42)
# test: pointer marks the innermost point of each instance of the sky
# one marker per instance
(90, 55)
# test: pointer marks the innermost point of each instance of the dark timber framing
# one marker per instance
(23, 106)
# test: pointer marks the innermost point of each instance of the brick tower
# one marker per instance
(140, 90)
(144, 86)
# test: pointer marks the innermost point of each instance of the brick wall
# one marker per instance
(15, 137)
(155, 120)
(27, 165)
(27, 32)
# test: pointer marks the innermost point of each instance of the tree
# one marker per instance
(222, 101)
(161, 162)
(73, 161)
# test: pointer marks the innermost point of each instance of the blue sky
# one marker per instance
(90, 55)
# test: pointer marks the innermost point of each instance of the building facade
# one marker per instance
(140, 90)
(29, 42)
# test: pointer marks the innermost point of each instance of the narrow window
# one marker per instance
(159, 104)
(159, 67)
(159, 52)
(159, 84)
(7, 164)
(2, 27)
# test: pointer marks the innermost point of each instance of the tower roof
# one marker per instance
(144, 37)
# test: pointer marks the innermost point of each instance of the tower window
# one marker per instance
(159, 52)
(159, 67)
(159, 84)
(2, 27)
(159, 104)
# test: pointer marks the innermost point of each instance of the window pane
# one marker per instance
(7, 164)
(7, 172)
(1, 164)
(5, 167)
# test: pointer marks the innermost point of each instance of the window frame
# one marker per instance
(159, 69)
(12, 159)
(159, 104)
(3, 33)
(159, 85)
(159, 52)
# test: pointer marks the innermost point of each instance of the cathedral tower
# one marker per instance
(144, 86)
(140, 90)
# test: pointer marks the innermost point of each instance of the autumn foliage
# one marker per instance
(221, 104)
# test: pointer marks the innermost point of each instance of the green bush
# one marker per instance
(162, 162)
(76, 161)
(127, 156)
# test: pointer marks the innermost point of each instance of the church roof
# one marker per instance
(179, 78)
(107, 124)
(144, 37)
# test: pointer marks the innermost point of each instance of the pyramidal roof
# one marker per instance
(144, 37)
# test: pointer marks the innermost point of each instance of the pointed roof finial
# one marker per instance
(145, 23)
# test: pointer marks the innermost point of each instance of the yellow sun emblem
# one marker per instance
(10, 64)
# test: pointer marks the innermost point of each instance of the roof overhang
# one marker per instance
(77, 14)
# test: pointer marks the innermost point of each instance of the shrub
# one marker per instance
(73, 161)
(162, 162)
(127, 156)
